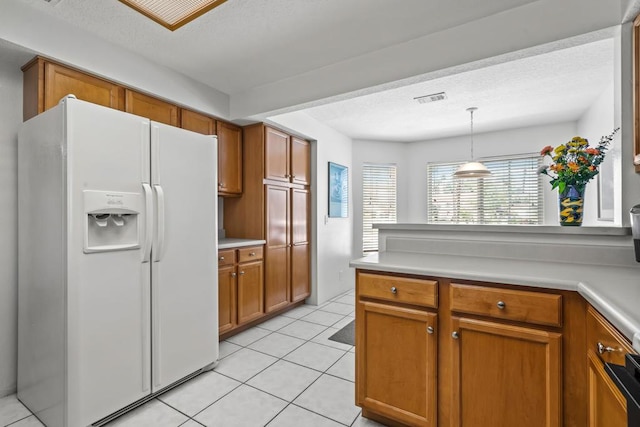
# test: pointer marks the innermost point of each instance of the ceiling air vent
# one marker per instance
(440, 96)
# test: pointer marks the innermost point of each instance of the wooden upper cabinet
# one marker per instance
(300, 161)
(276, 155)
(229, 159)
(46, 83)
(150, 107)
(197, 122)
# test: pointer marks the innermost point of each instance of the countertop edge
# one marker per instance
(230, 243)
(626, 326)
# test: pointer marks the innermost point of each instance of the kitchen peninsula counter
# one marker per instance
(596, 262)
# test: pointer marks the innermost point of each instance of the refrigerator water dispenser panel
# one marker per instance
(112, 221)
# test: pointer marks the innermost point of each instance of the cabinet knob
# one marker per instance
(221, 258)
(241, 273)
(455, 335)
(252, 254)
(604, 349)
(430, 330)
(233, 274)
(394, 290)
(501, 305)
(220, 184)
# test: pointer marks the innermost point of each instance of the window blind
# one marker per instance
(511, 195)
(378, 201)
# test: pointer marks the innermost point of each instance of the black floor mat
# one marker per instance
(346, 335)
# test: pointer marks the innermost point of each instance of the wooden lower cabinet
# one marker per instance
(227, 319)
(250, 291)
(607, 405)
(240, 287)
(505, 375)
(396, 362)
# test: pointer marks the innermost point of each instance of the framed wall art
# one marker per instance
(338, 191)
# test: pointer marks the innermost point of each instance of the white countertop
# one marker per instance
(613, 290)
(230, 243)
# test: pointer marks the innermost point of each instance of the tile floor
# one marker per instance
(284, 372)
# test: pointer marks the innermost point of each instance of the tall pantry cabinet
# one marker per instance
(275, 206)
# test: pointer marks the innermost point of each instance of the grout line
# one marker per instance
(31, 414)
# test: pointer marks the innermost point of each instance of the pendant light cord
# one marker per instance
(471, 110)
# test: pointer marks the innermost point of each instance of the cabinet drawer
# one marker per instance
(400, 289)
(226, 257)
(523, 306)
(250, 254)
(604, 340)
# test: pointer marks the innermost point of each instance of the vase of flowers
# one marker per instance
(574, 164)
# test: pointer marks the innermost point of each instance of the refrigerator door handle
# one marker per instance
(148, 232)
(159, 243)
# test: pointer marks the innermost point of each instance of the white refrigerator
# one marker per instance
(118, 292)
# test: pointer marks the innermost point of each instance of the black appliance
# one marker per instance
(627, 379)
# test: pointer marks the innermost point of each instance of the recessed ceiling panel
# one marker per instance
(172, 13)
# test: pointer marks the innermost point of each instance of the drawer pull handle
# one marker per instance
(242, 273)
(604, 349)
(430, 330)
(501, 305)
(394, 290)
(233, 274)
(252, 254)
(455, 335)
(221, 258)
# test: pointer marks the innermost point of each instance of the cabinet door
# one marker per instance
(250, 291)
(505, 376)
(607, 406)
(396, 362)
(226, 298)
(300, 256)
(300, 161)
(229, 159)
(276, 155)
(277, 248)
(150, 107)
(196, 122)
(61, 81)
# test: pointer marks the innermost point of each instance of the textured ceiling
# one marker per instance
(242, 44)
(548, 88)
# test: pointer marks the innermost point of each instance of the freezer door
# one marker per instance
(184, 273)
(108, 296)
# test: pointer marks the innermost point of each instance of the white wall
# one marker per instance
(596, 122)
(331, 237)
(378, 152)
(10, 119)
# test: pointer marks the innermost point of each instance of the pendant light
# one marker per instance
(472, 169)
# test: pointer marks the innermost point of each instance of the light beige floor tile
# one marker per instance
(294, 416)
(31, 421)
(344, 368)
(199, 392)
(277, 345)
(365, 422)
(249, 336)
(332, 397)
(245, 406)
(153, 413)
(338, 308)
(227, 348)
(303, 330)
(244, 364)
(284, 379)
(323, 338)
(299, 312)
(276, 323)
(323, 318)
(315, 356)
(12, 410)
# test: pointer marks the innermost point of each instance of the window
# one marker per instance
(378, 201)
(511, 195)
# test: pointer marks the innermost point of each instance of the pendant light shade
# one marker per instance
(472, 169)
